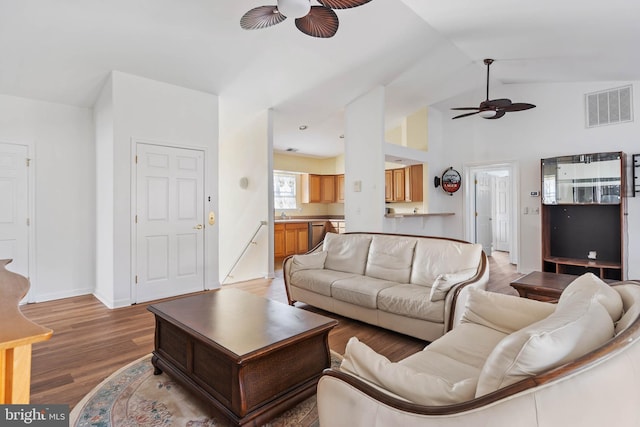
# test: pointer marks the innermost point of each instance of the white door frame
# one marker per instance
(470, 171)
(31, 209)
(134, 194)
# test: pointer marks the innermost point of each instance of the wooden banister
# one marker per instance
(17, 334)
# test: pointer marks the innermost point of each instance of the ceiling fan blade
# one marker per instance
(342, 4)
(261, 17)
(466, 108)
(465, 115)
(499, 113)
(498, 103)
(519, 106)
(320, 22)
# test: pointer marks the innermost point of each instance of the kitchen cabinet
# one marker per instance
(278, 241)
(340, 188)
(398, 185)
(403, 184)
(290, 238)
(413, 191)
(318, 188)
(388, 185)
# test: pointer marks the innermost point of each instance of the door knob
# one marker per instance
(198, 227)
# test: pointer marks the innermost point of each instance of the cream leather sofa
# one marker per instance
(409, 284)
(510, 362)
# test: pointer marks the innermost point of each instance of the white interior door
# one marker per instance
(170, 221)
(14, 207)
(484, 232)
(501, 222)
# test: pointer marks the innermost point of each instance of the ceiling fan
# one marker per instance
(316, 21)
(494, 108)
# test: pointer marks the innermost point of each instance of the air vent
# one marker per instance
(291, 150)
(609, 107)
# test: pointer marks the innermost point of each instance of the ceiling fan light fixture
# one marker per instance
(294, 8)
(487, 114)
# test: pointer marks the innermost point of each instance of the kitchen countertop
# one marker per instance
(279, 220)
(410, 215)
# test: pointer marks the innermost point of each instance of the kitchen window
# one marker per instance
(284, 190)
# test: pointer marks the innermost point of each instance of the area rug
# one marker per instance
(134, 397)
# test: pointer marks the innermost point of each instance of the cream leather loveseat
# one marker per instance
(510, 362)
(409, 284)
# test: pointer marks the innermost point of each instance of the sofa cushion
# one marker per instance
(591, 284)
(571, 331)
(390, 258)
(444, 282)
(346, 252)
(417, 387)
(359, 290)
(314, 261)
(411, 301)
(318, 281)
(439, 256)
(504, 313)
(468, 343)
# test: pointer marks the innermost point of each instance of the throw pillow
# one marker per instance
(590, 284)
(312, 261)
(444, 283)
(570, 332)
(503, 313)
(417, 387)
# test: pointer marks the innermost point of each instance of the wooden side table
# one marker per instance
(542, 286)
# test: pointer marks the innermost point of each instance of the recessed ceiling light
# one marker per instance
(303, 127)
(291, 150)
(341, 136)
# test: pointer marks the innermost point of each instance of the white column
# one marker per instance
(364, 162)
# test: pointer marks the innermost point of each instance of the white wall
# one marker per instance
(64, 160)
(555, 127)
(151, 111)
(245, 150)
(364, 162)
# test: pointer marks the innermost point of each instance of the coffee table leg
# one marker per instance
(154, 362)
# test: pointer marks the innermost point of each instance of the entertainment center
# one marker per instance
(583, 214)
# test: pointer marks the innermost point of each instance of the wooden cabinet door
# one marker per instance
(413, 184)
(388, 185)
(398, 185)
(290, 240)
(315, 188)
(328, 190)
(278, 241)
(302, 239)
(340, 188)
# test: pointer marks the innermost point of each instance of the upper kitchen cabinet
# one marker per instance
(340, 188)
(318, 188)
(404, 184)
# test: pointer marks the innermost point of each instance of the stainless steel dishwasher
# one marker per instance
(316, 233)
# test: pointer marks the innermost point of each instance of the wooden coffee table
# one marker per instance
(542, 286)
(249, 357)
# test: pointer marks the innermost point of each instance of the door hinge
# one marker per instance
(476, 214)
(136, 219)
(28, 161)
(136, 279)
(136, 159)
(28, 222)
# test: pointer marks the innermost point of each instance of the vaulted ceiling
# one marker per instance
(422, 51)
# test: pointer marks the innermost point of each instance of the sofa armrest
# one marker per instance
(458, 295)
(286, 270)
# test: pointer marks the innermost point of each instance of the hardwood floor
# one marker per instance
(90, 341)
